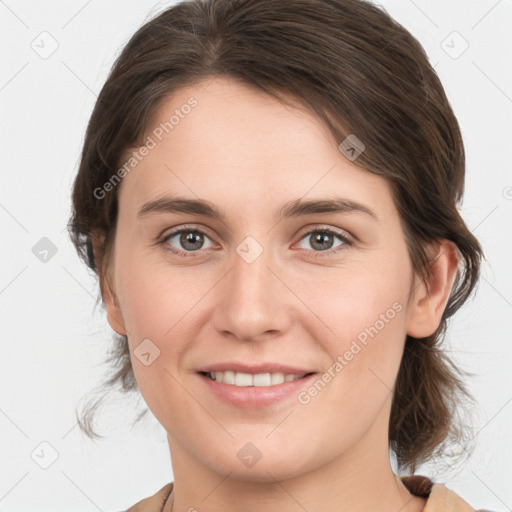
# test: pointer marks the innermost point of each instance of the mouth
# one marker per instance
(241, 379)
(254, 391)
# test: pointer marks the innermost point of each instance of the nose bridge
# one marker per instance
(254, 300)
(251, 277)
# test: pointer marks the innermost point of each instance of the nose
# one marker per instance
(253, 302)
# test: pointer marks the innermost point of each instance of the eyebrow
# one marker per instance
(294, 208)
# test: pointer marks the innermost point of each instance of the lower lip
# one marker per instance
(255, 397)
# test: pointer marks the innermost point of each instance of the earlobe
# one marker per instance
(428, 303)
(114, 316)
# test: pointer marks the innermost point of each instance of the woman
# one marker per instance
(268, 193)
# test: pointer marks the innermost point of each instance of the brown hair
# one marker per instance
(361, 73)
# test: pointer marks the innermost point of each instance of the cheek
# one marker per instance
(155, 297)
(160, 306)
(349, 300)
(357, 383)
(361, 325)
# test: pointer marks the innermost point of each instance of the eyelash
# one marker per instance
(344, 238)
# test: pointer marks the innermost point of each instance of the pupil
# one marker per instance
(321, 237)
(192, 238)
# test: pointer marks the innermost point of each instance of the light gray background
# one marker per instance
(54, 340)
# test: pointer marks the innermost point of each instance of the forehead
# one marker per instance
(226, 141)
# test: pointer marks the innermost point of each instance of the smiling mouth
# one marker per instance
(241, 379)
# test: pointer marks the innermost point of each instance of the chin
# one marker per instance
(266, 469)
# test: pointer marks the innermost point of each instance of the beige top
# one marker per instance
(439, 497)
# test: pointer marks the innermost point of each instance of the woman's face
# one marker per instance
(256, 288)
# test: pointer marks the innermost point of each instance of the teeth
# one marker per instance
(241, 379)
(248, 379)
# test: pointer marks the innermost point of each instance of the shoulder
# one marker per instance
(153, 503)
(439, 497)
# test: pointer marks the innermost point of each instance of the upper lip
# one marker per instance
(254, 369)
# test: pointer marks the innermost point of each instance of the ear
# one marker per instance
(114, 316)
(428, 303)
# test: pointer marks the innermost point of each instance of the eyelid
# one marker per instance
(342, 233)
(182, 227)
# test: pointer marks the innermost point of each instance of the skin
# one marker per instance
(249, 154)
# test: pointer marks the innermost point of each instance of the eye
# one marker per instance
(324, 240)
(189, 240)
